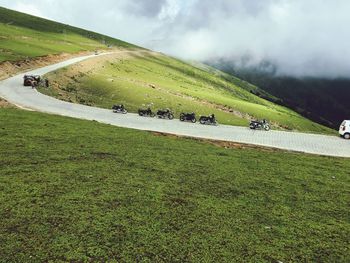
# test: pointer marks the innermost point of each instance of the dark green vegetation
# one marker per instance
(23, 36)
(75, 190)
(139, 79)
(322, 100)
(325, 101)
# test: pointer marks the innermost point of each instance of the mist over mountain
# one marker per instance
(301, 38)
(321, 99)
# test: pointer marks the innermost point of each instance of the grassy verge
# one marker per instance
(144, 79)
(75, 190)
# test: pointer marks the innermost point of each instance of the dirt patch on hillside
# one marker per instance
(6, 104)
(10, 68)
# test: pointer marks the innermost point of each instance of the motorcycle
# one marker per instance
(188, 117)
(165, 114)
(260, 125)
(208, 120)
(119, 109)
(31, 80)
(146, 112)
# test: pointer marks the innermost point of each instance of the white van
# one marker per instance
(344, 129)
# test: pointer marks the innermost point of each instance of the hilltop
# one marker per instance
(24, 36)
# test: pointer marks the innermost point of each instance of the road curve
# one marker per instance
(25, 97)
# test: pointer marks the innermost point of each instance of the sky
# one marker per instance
(300, 37)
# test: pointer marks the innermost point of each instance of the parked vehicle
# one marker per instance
(146, 112)
(188, 117)
(344, 129)
(31, 80)
(165, 114)
(208, 120)
(264, 124)
(119, 109)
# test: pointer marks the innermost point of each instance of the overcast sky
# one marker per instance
(302, 37)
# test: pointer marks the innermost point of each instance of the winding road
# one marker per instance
(12, 90)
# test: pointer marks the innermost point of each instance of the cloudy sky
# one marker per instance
(301, 37)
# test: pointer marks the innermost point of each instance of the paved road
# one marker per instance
(28, 98)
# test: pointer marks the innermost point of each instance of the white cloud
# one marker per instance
(170, 10)
(301, 37)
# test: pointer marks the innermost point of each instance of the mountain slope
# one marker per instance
(325, 101)
(139, 79)
(322, 100)
(24, 36)
(144, 79)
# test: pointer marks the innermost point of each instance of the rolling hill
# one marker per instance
(24, 36)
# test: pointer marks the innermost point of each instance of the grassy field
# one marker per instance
(147, 79)
(75, 190)
(80, 191)
(23, 36)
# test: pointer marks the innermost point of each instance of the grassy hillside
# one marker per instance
(317, 98)
(75, 190)
(23, 36)
(237, 81)
(331, 106)
(138, 79)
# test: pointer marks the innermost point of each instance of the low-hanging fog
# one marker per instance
(299, 37)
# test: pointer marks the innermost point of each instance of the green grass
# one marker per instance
(75, 190)
(23, 36)
(178, 86)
